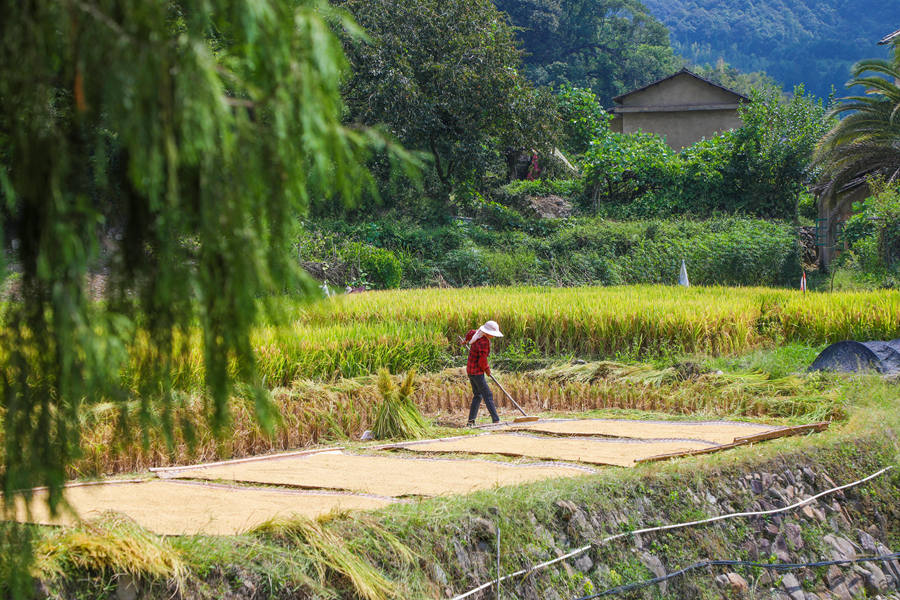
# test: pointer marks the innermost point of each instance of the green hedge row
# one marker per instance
(725, 251)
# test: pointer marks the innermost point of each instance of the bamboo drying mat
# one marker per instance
(378, 474)
(716, 432)
(183, 508)
(618, 452)
(750, 439)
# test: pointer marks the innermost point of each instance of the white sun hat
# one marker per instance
(491, 328)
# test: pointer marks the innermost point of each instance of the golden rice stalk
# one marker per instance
(111, 544)
(330, 555)
(398, 417)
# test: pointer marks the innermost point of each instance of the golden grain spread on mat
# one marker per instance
(380, 474)
(172, 508)
(623, 453)
(191, 507)
(715, 432)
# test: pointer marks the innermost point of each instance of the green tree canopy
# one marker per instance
(582, 116)
(609, 46)
(626, 166)
(771, 161)
(734, 79)
(444, 77)
(169, 146)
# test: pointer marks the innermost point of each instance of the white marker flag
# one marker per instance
(682, 277)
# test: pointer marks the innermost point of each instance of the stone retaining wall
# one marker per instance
(862, 521)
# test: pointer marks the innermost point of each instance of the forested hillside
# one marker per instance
(813, 42)
(610, 46)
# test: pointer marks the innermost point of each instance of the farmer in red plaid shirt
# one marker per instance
(479, 341)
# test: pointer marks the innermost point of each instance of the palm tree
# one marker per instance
(867, 140)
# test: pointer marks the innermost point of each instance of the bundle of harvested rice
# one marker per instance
(398, 416)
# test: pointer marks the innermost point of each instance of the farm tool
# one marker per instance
(525, 418)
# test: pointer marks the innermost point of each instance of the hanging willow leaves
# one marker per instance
(163, 150)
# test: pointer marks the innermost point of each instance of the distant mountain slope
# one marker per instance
(795, 41)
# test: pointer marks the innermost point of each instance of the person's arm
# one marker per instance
(469, 335)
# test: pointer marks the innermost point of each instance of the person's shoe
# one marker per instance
(470, 424)
(497, 421)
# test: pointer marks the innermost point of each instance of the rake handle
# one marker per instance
(494, 379)
(516, 404)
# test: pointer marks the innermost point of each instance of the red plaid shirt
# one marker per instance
(478, 353)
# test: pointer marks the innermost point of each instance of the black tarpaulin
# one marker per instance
(850, 356)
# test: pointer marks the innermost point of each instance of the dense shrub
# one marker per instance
(625, 167)
(372, 266)
(726, 251)
(518, 266)
(566, 188)
(384, 268)
(497, 216)
(582, 116)
(873, 235)
(704, 174)
(343, 261)
(398, 234)
(517, 193)
(465, 267)
(582, 251)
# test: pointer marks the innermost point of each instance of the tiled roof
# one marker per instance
(684, 71)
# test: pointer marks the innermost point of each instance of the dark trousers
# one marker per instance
(481, 392)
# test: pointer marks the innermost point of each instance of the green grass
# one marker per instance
(776, 362)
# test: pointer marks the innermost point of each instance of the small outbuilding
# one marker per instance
(683, 108)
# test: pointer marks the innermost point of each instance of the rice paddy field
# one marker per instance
(584, 349)
(354, 335)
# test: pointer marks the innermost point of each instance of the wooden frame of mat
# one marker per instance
(760, 437)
